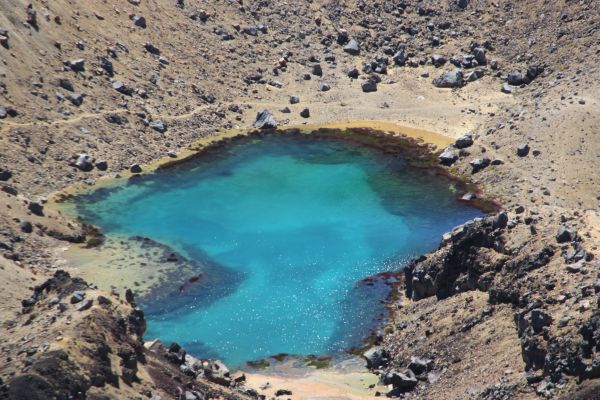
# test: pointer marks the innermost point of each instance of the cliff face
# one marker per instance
(505, 308)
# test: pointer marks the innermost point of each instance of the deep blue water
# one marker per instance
(292, 223)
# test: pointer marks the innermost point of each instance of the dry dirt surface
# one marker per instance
(506, 308)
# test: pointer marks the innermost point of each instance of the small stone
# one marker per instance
(305, 113)
(135, 168)
(294, 99)
(324, 87)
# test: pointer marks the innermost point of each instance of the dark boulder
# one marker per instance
(419, 365)
(5, 174)
(139, 20)
(464, 141)
(368, 86)
(448, 157)
(76, 98)
(77, 65)
(565, 235)
(479, 164)
(305, 113)
(523, 150)
(135, 168)
(36, 208)
(438, 60)
(84, 162)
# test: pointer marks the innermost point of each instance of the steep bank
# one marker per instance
(219, 67)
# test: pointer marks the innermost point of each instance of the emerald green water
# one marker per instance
(293, 223)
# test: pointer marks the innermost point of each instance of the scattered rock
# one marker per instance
(565, 235)
(352, 47)
(5, 174)
(294, 99)
(102, 165)
(26, 227)
(122, 88)
(36, 208)
(77, 65)
(506, 88)
(76, 98)
(84, 162)
(305, 113)
(77, 296)
(139, 20)
(135, 168)
(324, 87)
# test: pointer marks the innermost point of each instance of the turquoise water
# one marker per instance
(293, 223)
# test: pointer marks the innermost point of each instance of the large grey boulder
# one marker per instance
(265, 120)
(450, 79)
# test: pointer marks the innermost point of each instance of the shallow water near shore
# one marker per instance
(290, 225)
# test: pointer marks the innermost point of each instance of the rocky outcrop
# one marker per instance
(484, 255)
(109, 353)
